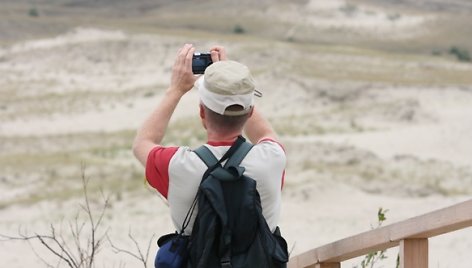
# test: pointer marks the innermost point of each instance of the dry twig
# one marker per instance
(78, 253)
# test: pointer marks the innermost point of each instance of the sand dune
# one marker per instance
(363, 129)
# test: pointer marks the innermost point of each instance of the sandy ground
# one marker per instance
(445, 138)
(318, 207)
(348, 16)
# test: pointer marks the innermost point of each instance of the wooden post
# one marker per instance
(414, 253)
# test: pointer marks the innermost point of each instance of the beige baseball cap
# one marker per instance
(226, 83)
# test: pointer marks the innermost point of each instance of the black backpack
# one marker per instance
(230, 230)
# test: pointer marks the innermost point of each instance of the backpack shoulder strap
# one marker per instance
(206, 156)
(239, 155)
(234, 160)
(235, 155)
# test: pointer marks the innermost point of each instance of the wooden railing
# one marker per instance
(410, 235)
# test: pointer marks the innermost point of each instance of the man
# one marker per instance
(226, 109)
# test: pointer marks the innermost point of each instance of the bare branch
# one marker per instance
(39, 257)
(120, 250)
(41, 239)
(139, 255)
(148, 250)
(75, 254)
(61, 246)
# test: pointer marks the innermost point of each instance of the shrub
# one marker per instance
(460, 53)
(238, 29)
(394, 16)
(33, 12)
(349, 9)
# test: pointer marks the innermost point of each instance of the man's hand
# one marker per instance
(218, 53)
(183, 79)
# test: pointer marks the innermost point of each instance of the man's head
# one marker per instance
(227, 84)
(226, 92)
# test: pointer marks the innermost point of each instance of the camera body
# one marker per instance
(200, 62)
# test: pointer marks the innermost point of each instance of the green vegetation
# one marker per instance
(33, 12)
(238, 29)
(48, 168)
(394, 16)
(290, 125)
(351, 64)
(460, 53)
(402, 176)
(349, 8)
(185, 131)
(373, 258)
(18, 105)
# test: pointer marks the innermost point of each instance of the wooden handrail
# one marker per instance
(411, 234)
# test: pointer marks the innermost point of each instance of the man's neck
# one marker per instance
(219, 137)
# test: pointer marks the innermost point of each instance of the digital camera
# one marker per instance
(200, 62)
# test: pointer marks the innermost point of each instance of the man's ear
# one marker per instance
(252, 111)
(202, 111)
(202, 116)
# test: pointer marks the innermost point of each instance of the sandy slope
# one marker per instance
(322, 202)
(444, 137)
